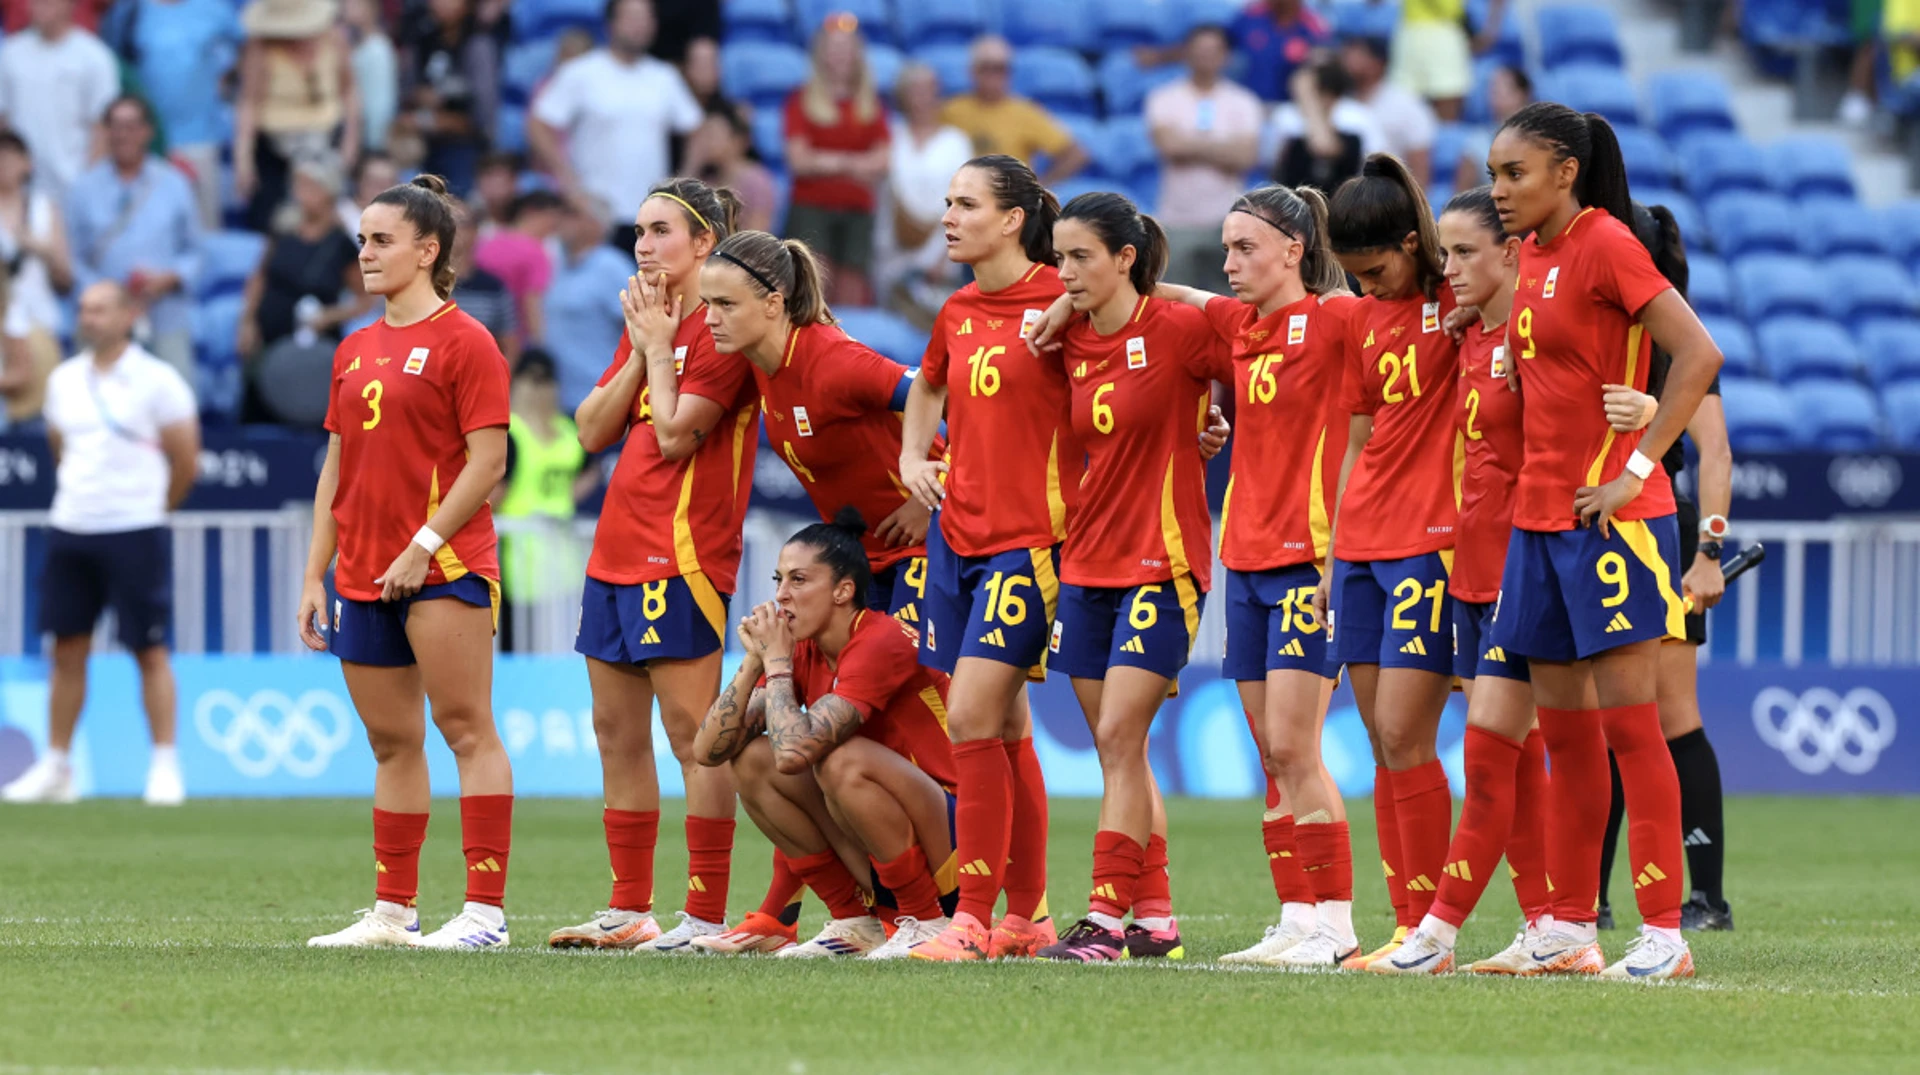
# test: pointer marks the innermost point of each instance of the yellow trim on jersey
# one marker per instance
(445, 310)
(1031, 273)
(1140, 310)
(742, 426)
(707, 597)
(1170, 527)
(946, 876)
(936, 704)
(1633, 362)
(449, 561)
(1056, 503)
(1226, 506)
(1318, 524)
(1446, 561)
(1639, 538)
(1189, 595)
(493, 597)
(685, 556)
(1459, 469)
(793, 341)
(1047, 581)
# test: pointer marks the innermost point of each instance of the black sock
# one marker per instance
(1700, 812)
(1616, 813)
(790, 914)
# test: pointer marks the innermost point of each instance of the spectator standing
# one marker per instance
(132, 219)
(181, 50)
(372, 173)
(517, 254)
(546, 477)
(56, 81)
(1509, 89)
(309, 276)
(126, 444)
(1000, 122)
(584, 319)
(1277, 38)
(376, 71)
(1407, 125)
(450, 87)
(720, 154)
(33, 247)
(701, 69)
(481, 294)
(914, 272)
(1324, 91)
(1207, 130)
(836, 132)
(1433, 55)
(603, 123)
(495, 187)
(297, 98)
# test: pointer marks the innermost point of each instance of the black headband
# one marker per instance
(749, 270)
(1264, 220)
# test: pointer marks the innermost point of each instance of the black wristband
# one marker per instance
(1711, 550)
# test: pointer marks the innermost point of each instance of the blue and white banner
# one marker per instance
(285, 726)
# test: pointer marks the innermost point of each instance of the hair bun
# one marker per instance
(431, 183)
(848, 518)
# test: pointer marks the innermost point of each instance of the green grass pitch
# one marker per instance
(148, 940)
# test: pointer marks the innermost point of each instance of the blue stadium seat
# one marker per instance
(1450, 140)
(1860, 288)
(1649, 162)
(1903, 415)
(1066, 24)
(1718, 162)
(758, 20)
(1736, 344)
(1686, 213)
(1837, 416)
(1803, 348)
(1137, 22)
(1760, 416)
(1772, 285)
(227, 259)
(1124, 85)
(1130, 154)
(760, 73)
(951, 64)
(1070, 189)
(1577, 33)
(1709, 286)
(1362, 18)
(216, 328)
(1686, 101)
(1592, 88)
(1891, 349)
(522, 67)
(1058, 79)
(884, 61)
(1900, 225)
(547, 18)
(1811, 166)
(1475, 110)
(1831, 226)
(947, 22)
(885, 332)
(510, 129)
(770, 137)
(1510, 46)
(876, 17)
(1745, 223)
(1782, 24)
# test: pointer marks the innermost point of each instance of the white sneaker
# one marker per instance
(164, 786)
(1510, 960)
(470, 929)
(907, 932)
(610, 928)
(49, 780)
(385, 926)
(1278, 940)
(1420, 953)
(1558, 952)
(680, 938)
(1653, 957)
(840, 937)
(1323, 949)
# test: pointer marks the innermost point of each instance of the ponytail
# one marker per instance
(426, 205)
(1377, 209)
(1300, 213)
(1589, 141)
(783, 266)
(1120, 224)
(1659, 232)
(837, 545)
(1015, 186)
(1319, 269)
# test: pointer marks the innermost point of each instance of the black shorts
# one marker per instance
(130, 571)
(1689, 515)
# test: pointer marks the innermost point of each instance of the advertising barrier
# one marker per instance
(269, 726)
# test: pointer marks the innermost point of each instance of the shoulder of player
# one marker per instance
(879, 636)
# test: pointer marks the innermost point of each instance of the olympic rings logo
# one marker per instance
(270, 731)
(1819, 729)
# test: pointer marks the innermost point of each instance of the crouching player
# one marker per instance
(838, 743)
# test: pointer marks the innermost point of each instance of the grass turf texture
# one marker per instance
(154, 940)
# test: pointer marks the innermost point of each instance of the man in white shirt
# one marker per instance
(56, 81)
(126, 443)
(1207, 129)
(602, 125)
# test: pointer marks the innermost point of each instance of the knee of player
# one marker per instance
(621, 734)
(466, 728)
(839, 770)
(1403, 748)
(1115, 744)
(1284, 759)
(152, 660)
(389, 744)
(70, 654)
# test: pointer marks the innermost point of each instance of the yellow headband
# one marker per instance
(683, 205)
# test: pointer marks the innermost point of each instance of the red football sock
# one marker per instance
(396, 855)
(1386, 829)
(1326, 855)
(1485, 821)
(983, 822)
(1425, 809)
(1117, 863)
(1578, 794)
(486, 833)
(783, 891)
(709, 866)
(1283, 861)
(830, 880)
(1652, 789)
(632, 836)
(914, 892)
(1025, 880)
(1153, 893)
(1527, 842)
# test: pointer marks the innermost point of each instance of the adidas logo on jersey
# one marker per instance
(965, 329)
(909, 613)
(1648, 876)
(994, 638)
(1415, 647)
(1369, 342)
(1133, 645)
(1619, 623)
(1292, 649)
(651, 638)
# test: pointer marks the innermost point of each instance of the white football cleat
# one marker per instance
(907, 932)
(1420, 953)
(1323, 949)
(164, 785)
(1510, 960)
(49, 780)
(680, 938)
(387, 925)
(1279, 939)
(1652, 957)
(1559, 952)
(840, 937)
(470, 930)
(609, 929)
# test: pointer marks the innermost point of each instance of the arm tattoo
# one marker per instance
(807, 735)
(730, 728)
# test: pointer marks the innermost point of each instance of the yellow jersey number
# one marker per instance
(1144, 614)
(1523, 328)
(1391, 366)
(1612, 570)
(644, 412)
(653, 599)
(372, 393)
(1473, 415)
(1410, 593)
(1262, 385)
(1102, 412)
(1003, 605)
(983, 379)
(1296, 611)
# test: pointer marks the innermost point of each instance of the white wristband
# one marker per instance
(1639, 465)
(428, 540)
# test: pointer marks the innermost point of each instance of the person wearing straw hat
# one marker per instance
(297, 96)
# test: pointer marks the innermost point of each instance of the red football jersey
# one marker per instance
(403, 402)
(1401, 366)
(902, 705)
(1008, 411)
(1488, 419)
(829, 417)
(1139, 404)
(1288, 433)
(1574, 328)
(638, 539)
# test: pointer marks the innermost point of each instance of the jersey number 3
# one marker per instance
(372, 393)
